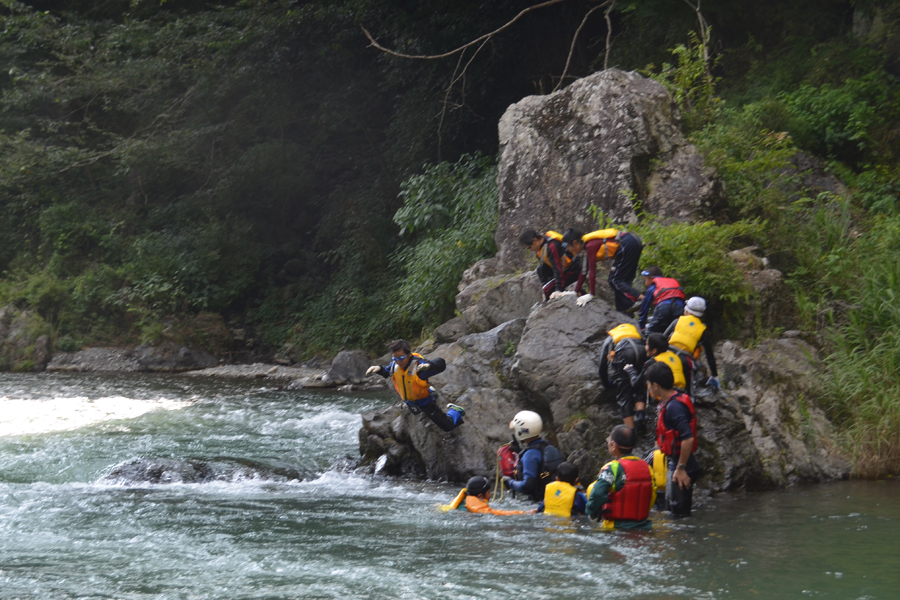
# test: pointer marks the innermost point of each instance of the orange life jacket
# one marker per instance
(409, 385)
(634, 500)
(667, 439)
(610, 243)
(666, 289)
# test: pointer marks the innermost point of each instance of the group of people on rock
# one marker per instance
(654, 360)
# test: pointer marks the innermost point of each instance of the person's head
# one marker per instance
(567, 472)
(526, 425)
(656, 344)
(572, 239)
(531, 238)
(621, 441)
(649, 273)
(695, 306)
(660, 380)
(479, 486)
(401, 352)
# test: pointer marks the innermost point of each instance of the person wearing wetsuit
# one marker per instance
(657, 351)
(557, 268)
(666, 297)
(625, 249)
(687, 334)
(628, 353)
(562, 498)
(625, 490)
(676, 437)
(538, 459)
(410, 373)
(475, 497)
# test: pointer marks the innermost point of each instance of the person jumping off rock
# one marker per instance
(410, 373)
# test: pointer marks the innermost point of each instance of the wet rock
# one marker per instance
(774, 385)
(599, 141)
(349, 366)
(486, 303)
(156, 471)
(91, 360)
(169, 357)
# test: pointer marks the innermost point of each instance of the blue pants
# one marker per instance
(663, 315)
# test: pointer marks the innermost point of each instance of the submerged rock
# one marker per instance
(170, 470)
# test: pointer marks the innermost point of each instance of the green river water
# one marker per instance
(69, 531)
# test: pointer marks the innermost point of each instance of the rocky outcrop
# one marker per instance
(607, 140)
(763, 430)
(349, 366)
(165, 358)
(771, 304)
(24, 340)
(486, 303)
(156, 471)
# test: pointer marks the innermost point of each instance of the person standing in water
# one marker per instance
(410, 373)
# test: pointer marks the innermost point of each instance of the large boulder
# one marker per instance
(488, 302)
(607, 140)
(349, 366)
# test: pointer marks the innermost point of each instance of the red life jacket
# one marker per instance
(667, 439)
(633, 501)
(666, 289)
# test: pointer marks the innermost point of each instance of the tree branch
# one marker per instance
(608, 34)
(575, 39)
(483, 38)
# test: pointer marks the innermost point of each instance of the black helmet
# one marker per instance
(477, 485)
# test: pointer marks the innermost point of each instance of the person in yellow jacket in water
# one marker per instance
(410, 373)
(562, 498)
(475, 497)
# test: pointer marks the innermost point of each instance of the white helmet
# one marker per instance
(695, 306)
(526, 425)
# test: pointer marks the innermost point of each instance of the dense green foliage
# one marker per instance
(164, 161)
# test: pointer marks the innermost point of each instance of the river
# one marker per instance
(257, 530)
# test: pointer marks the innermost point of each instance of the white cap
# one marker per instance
(695, 306)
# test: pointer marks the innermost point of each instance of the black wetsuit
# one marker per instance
(624, 269)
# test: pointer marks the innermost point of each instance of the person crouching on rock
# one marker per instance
(676, 436)
(538, 459)
(625, 490)
(623, 353)
(410, 373)
(475, 497)
(562, 498)
(557, 267)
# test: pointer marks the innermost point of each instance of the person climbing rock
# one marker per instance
(688, 336)
(410, 373)
(475, 497)
(556, 267)
(676, 437)
(622, 353)
(625, 249)
(538, 459)
(657, 350)
(562, 497)
(665, 296)
(625, 490)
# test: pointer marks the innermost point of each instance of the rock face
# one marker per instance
(762, 431)
(165, 358)
(349, 366)
(604, 140)
(142, 471)
(488, 302)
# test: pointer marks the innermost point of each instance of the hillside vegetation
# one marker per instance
(258, 160)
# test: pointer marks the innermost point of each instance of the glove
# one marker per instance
(556, 295)
(584, 299)
(639, 417)
(507, 480)
(372, 370)
(423, 366)
(713, 382)
(629, 369)
(562, 294)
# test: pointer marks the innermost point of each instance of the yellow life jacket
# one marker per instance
(609, 246)
(409, 385)
(688, 331)
(660, 467)
(456, 503)
(558, 499)
(544, 256)
(625, 330)
(674, 362)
